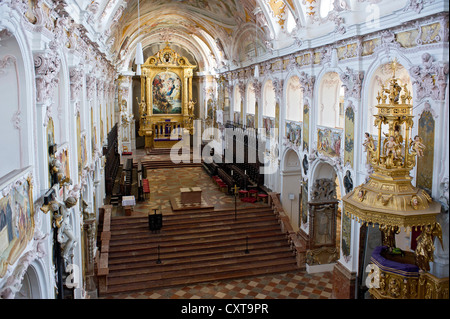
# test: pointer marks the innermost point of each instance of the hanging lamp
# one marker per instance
(139, 59)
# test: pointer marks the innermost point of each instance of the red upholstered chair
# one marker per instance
(263, 197)
(253, 193)
(146, 188)
(243, 193)
(217, 180)
(223, 187)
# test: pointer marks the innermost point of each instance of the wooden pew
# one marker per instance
(128, 176)
(227, 179)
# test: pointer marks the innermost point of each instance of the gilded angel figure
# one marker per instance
(425, 245)
(368, 144)
(417, 145)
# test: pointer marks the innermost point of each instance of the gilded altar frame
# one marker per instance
(164, 62)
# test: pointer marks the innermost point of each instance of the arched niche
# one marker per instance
(381, 76)
(330, 111)
(31, 284)
(321, 196)
(14, 122)
(323, 170)
(291, 176)
(294, 100)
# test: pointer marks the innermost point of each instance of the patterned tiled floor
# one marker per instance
(167, 182)
(293, 285)
(297, 285)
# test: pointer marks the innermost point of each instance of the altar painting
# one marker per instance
(63, 157)
(250, 120)
(16, 222)
(83, 152)
(329, 142)
(269, 126)
(293, 133)
(305, 127)
(349, 141)
(167, 93)
(425, 162)
(346, 235)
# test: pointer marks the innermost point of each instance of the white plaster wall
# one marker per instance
(13, 124)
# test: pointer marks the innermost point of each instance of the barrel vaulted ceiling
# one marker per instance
(218, 32)
(217, 35)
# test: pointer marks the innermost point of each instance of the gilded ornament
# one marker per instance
(394, 287)
(415, 202)
(361, 194)
(390, 200)
(417, 145)
(425, 245)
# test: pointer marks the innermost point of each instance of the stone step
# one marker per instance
(183, 216)
(150, 260)
(196, 247)
(193, 234)
(167, 164)
(198, 275)
(187, 228)
(171, 223)
(166, 270)
(202, 246)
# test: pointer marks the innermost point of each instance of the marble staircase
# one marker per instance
(194, 247)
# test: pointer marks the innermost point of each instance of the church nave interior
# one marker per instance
(251, 149)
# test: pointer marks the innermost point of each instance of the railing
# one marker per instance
(295, 243)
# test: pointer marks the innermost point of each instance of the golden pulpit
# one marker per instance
(388, 199)
(166, 108)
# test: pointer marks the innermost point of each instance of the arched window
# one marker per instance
(331, 101)
(14, 125)
(325, 7)
(380, 77)
(237, 99)
(269, 100)
(290, 21)
(251, 99)
(294, 100)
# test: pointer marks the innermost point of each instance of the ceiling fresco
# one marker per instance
(220, 34)
(214, 23)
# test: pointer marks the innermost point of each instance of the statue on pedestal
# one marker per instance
(61, 217)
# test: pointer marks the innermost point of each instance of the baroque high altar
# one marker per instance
(166, 108)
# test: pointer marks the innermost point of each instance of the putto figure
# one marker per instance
(417, 145)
